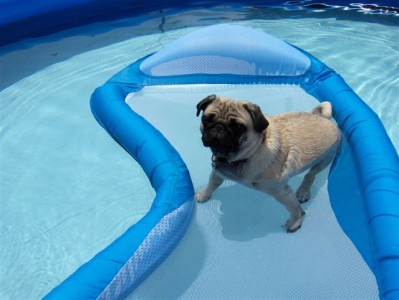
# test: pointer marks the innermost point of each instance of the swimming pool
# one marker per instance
(60, 148)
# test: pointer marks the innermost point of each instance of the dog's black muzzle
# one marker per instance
(220, 139)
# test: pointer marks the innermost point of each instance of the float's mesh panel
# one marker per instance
(235, 247)
(215, 50)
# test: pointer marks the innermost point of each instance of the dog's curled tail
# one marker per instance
(324, 109)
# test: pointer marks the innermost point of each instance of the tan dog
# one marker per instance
(263, 152)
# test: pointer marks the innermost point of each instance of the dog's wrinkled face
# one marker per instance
(226, 124)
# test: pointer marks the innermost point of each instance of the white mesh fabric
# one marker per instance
(217, 50)
(205, 64)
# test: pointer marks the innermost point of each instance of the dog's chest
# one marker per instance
(237, 172)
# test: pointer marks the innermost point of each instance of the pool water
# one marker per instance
(67, 189)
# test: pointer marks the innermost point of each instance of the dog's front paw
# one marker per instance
(202, 196)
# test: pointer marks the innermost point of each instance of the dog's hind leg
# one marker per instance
(303, 192)
(286, 197)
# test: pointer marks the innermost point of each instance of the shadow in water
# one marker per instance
(248, 214)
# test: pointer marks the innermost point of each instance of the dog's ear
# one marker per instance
(259, 120)
(205, 102)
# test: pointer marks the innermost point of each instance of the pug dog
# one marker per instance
(264, 152)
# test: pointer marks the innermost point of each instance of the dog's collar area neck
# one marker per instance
(222, 159)
(236, 163)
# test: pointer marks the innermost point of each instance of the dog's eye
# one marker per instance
(208, 118)
(238, 127)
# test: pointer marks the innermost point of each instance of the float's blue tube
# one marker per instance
(118, 269)
(377, 176)
(377, 166)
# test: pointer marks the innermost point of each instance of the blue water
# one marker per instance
(67, 190)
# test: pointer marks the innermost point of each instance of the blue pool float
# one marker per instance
(214, 55)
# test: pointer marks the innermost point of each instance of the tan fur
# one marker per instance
(292, 143)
